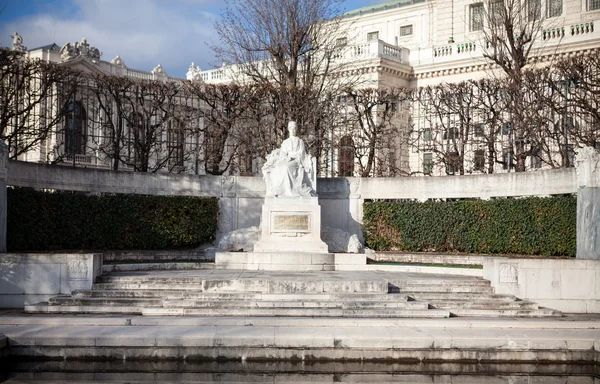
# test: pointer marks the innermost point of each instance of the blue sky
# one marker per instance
(144, 33)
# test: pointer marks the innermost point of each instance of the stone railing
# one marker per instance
(79, 159)
(363, 51)
(138, 74)
(376, 49)
(553, 33)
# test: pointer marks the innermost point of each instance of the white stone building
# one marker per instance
(399, 43)
(418, 43)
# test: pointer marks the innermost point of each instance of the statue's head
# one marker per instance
(292, 128)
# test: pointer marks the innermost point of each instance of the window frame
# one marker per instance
(403, 27)
(480, 23)
(549, 9)
(427, 163)
(372, 34)
(479, 160)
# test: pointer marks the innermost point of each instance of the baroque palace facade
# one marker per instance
(399, 43)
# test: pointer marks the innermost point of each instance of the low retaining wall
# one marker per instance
(569, 285)
(30, 278)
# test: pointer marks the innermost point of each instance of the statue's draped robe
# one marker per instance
(289, 175)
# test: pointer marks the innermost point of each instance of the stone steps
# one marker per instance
(468, 312)
(299, 312)
(211, 296)
(232, 293)
(433, 296)
(484, 289)
(482, 304)
(186, 303)
(387, 304)
(449, 280)
(243, 285)
(241, 312)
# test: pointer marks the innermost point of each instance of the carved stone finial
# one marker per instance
(17, 44)
(118, 61)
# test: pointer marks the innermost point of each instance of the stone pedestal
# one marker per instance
(291, 225)
(3, 195)
(588, 204)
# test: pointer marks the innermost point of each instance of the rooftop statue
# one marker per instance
(290, 170)
(17, 44)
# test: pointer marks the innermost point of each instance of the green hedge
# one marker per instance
(529, 226)
(43, 221)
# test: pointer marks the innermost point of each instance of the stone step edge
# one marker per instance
(248, 312)
(244, 295)
(549, 323)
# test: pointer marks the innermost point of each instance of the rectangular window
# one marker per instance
(479, 160)
(452, 163)
(594, 5)
(536, 158)
(507, 158)
(406, 30)
(341, 42)
(497, 12)
(372, 36)
(427, 163)
(534, 9)
(555, 8)
(476, 17)
(427, 134)
(479, 130)
(451, 134)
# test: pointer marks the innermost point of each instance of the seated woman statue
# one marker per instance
(288, 169)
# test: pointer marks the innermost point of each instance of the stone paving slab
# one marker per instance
(222, 274)
(17, 318)
(273, 342)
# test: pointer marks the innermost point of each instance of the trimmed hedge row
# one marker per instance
(530, 226)
(43, 221)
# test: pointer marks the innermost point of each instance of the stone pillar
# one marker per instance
(3, 201)
(588, 203)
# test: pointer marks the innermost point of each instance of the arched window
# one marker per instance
(346, 157)
(75, 129)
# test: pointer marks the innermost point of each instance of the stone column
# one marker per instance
(588, 203)
(3, 202)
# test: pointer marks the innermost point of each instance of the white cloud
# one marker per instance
(144, 33)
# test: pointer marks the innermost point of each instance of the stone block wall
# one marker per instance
(565, 284)
(29, 278)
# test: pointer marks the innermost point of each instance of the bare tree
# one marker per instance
(34, 99)
(295, 47)
(224, 130)
(513, 28)
(513, 31)
(575, 83)
(375, 130)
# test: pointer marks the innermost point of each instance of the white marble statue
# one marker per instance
(290, 170)
(17, 44)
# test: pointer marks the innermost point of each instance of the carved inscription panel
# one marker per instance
(299, 222)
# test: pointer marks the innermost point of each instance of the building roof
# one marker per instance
(382, 7)
(49, 47)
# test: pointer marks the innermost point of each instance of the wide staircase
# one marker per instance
(291, 294)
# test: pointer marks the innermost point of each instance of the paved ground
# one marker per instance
(566, 339)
